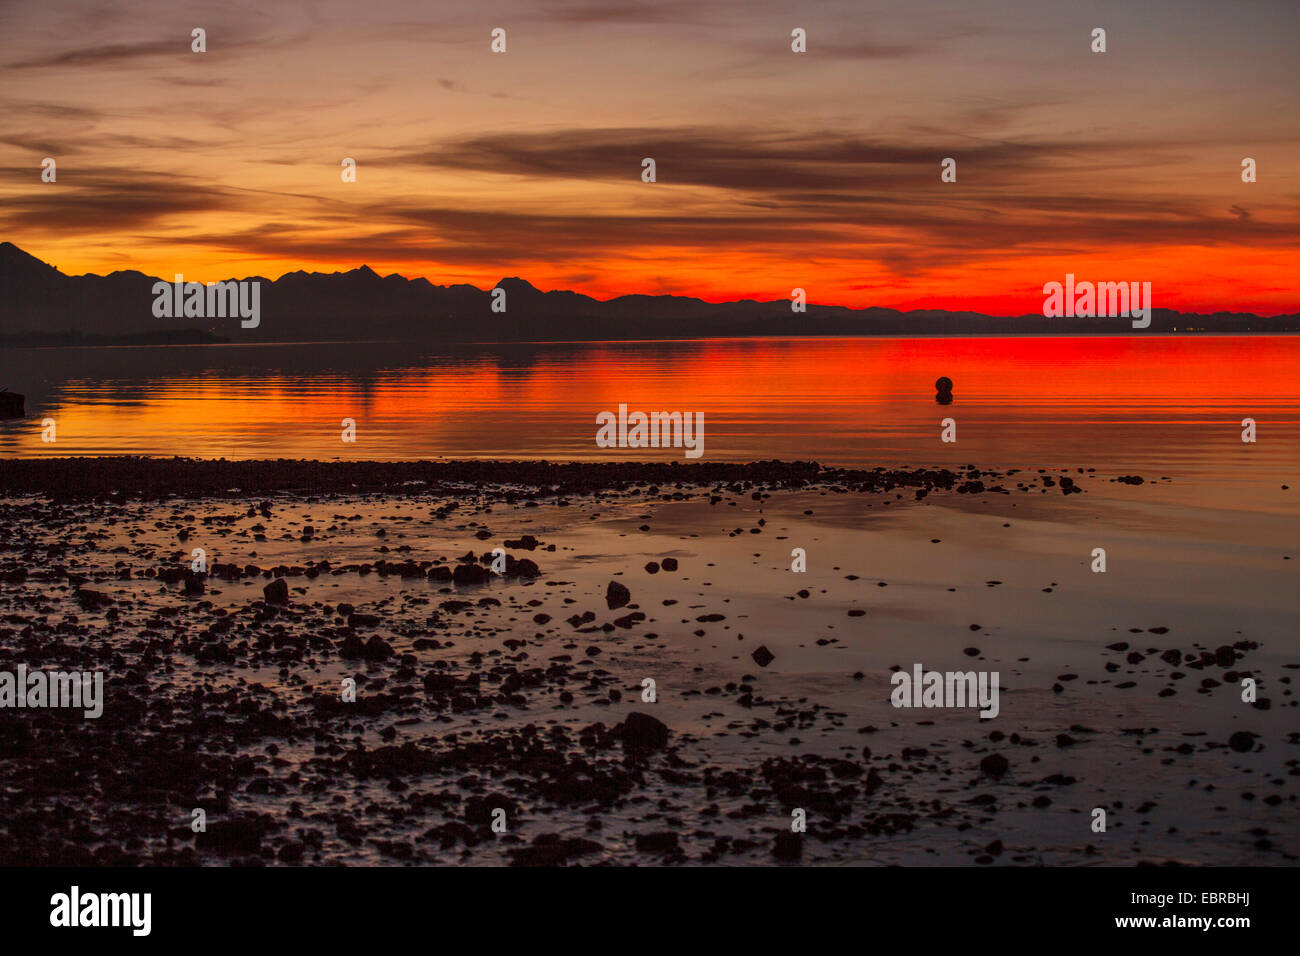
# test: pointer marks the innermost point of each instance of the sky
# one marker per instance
(774, 169)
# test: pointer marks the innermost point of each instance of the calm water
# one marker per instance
(1146, 404)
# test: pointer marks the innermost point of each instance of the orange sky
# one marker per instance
(774, 169)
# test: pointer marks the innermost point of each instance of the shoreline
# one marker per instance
(225, 691)
(138, 476)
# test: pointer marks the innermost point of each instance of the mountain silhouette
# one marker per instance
(39, 305)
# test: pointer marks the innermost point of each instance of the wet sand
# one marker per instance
(524, 691)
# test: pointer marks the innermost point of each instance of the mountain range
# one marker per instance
(39, 305)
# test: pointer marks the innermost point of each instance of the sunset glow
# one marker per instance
(774, 170)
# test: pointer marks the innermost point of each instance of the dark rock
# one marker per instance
(662, 842)
(643, 732)
(617, 596)
(762, 656)
(521, 568)
(551, 849)
(93, 600)
(231, 836)
(994, 765)
(787, 847)
(470, 574)
(478, 810)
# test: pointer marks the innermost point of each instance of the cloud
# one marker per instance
(107, 200)
(130, 55)
(108, 54)
(623, 11)
(725, 158)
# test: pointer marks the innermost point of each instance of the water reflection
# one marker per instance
(1167, 404)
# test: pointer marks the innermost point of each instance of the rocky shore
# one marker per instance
(537, 664)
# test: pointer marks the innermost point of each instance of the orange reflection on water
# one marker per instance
(1160, 400)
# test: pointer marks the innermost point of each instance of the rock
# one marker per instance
(873, 782)
(652, 567)
(669, 564)
(470, 574)
(551, 849)
(1242, 742)
(436, 683)
(762, 656)
(787, 847)
(521, 568)
(479, 810)
(231, 836)
(277, 592)
(662, 842)
(617, 596)
(377, 649)
(994, 765)
(93, 600)
(643, 732)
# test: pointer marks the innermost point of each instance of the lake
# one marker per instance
(1151, 405)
